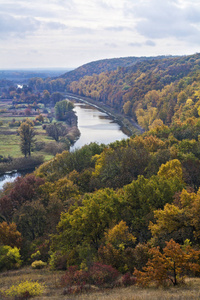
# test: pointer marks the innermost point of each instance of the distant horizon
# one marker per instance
(90, 61)
(35, 68)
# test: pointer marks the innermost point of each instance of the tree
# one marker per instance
(56, 97)
(27, 134)
(81, 229)
(171, 222)
(46, 97)
(169, 265)
(56, 130)
(31, 219)
(171, 169)
(9, 235)
(62, 108)
(117, 239)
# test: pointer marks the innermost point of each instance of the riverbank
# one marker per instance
(21, 164)
(128, 125)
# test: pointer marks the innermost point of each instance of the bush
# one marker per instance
(98, 274)
(38, 264)
(39, 146)
(9, 258)
(25, 289)
(128, 280)
(54, 148)
(14, 124)
(36, 255)
(58, 261)
(22, 163)
(73, 276)
(102, 274)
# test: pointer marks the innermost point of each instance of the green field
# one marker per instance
(9, 138)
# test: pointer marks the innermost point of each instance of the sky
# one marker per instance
(70, 33)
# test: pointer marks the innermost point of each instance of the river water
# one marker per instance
(9, 177)
(94, 126)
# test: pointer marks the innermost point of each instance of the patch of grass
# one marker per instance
(53, 290)
(10, 145)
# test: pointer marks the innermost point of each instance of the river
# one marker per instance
(94, 126)
(8, 177)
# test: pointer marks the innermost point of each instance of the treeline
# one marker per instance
(104, 65)
(165, 89)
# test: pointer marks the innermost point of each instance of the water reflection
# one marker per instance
(10, 177)
(95, 126)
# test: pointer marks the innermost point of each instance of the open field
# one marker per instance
(9, 139)
(53, 290)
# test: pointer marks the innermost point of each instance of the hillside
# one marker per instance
(125, 211)
(104, 65)
(146, 88)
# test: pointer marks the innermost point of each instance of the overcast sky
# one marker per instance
(69, 33)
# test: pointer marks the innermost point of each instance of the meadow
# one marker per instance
(53, 290)
(9, 138)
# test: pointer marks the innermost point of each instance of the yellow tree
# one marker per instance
(168, 266)
(117, 239)
(171, 169)
(9, 235)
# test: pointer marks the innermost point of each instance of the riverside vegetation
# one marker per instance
(28, 125)
(123, 216)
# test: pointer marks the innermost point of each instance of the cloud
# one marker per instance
(15, 26)
(116, 28)
(54, 25)
(162, 19)
(146, 43)
(111, 45)
(150, 43)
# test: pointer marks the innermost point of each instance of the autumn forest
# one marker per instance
(126, 210)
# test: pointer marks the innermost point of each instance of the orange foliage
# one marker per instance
(169, 265)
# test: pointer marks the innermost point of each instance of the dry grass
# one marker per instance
(51, 279)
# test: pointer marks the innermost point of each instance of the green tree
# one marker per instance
(27, 137)
(62, 108)
(81, 229)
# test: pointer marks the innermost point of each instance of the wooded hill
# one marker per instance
(114, 204)
(104, 65)
(147, 90)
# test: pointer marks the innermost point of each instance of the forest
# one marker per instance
(130, 208)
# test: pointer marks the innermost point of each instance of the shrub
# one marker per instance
(98, 274)
(39, 146)
(14, 124)
(54, 148)
(9, 258)
(128, 280)
(58, 261)
(25, 289)
(101, 274)
(36, 255)
(73, 276)
(38, 264)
